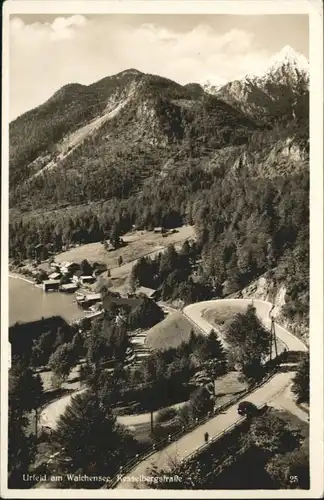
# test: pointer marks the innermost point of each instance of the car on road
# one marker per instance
(247, 409)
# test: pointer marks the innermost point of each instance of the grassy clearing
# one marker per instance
(228, 387)
(139, 243)
(220, 313)
(170, 332)
(72, 382)
(229, 384)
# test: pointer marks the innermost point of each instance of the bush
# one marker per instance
(165, 414)
(247, 408)
(185, 414)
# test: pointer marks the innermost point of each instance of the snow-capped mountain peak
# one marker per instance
(212, 83)
(210, 87)
(286, 66)
(287, 61)
(280, 87)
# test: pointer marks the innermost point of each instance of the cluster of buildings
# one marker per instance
(66, 277)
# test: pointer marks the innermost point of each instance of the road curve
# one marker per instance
(265, 394)
(195, 313)
(51, 413)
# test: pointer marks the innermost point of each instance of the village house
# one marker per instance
(51, 285)
(54, 276)
(55, 266)
(76, 276)
(149, 292)
(69, 287)
(87, 280)
(69, 267)
(86, 301)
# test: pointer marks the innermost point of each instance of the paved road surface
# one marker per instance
(51, 413)
(190, 442)
(142, 418)
(285, 401)
(268, 393)
(195, 311)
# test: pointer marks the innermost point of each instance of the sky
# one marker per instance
(49, 51)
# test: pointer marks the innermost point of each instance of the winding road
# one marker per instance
(272, 391)
(194, 312)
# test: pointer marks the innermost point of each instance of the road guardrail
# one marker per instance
(123, 470)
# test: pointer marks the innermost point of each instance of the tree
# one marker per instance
(146, 315)
(25, 394)
(291, 470)
(21, 453)
(91, 438)
(114, 235)
(42, 349)
(192, 340)
(36, 396)
(184, 257)
(301, 381)
(42, 275)
(272, 435)
(185, 414)
(250, 342)
(25, 388)
(62, 360)
(232, 284)
(201, 402)
(248, 409)
(170, 284)
(85, 268)
(60, 338)
(210, 348)
(168, 263)
(120, 342)
(78, 345)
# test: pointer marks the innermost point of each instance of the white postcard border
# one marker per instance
(314, 9)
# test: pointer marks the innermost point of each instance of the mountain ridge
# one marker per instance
(137, 123)
(159, 111)
(280, 89)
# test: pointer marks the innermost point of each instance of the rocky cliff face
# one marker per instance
(266, 288)
(282, 157)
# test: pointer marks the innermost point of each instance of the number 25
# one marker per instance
(293, 479)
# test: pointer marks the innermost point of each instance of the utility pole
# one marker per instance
(273, 333)
(152, 430)
(271, 340)
(36, 424)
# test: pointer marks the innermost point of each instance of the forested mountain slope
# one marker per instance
(104, 143)
(137, 149)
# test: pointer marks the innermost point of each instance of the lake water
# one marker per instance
(29, 303)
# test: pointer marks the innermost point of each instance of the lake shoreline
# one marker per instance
(28, 302)
(17, 276)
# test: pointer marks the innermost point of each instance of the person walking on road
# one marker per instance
(206, 437)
